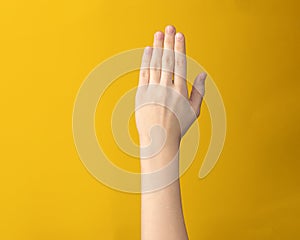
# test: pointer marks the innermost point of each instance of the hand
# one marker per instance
(164, 112)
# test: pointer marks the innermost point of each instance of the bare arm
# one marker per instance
(161, 212)
(164, 112)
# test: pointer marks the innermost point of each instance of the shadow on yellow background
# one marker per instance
(249, 47)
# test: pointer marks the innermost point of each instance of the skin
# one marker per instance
(162, 80)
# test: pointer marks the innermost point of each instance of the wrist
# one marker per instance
(154, 158)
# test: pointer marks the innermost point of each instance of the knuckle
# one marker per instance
(197, 112)
(167, 74)
(155, 66)
(180, 62)
(145, 74)
(168, 61)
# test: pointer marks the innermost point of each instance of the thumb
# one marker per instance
(197, 92)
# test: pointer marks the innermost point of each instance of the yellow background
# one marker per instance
(249, 47)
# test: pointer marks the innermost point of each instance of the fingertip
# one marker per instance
(170, 29)
(148, 50)
(199, 83)
(179, 36)
(159, 35)
(202, 76)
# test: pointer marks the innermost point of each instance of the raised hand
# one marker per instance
(164, 112)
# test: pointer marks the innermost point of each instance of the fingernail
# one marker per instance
(179, 36)
(203, 75)
(159, 35)
(170, 29)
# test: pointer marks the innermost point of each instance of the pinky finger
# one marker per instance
(145, 67)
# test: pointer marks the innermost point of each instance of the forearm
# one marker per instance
(162, 216)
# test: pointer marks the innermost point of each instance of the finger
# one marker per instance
(197, 93)
(168, 56)
(155, 64)
(144, 70)
(180, 64)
